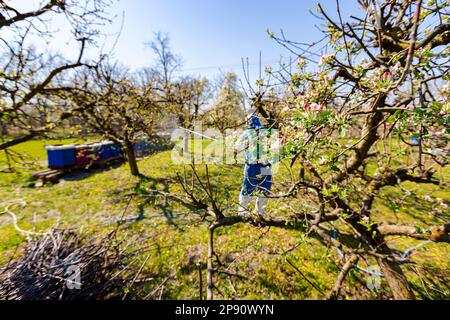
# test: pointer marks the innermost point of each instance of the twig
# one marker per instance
(304, 277)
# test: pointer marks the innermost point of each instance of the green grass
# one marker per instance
(180, 242)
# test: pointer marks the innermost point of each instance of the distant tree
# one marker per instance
(186, 99)
(115, 105)
(30, 76)
(166, 62)
(228, 109)
(182, 96)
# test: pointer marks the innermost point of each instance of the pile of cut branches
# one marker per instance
(64, 265)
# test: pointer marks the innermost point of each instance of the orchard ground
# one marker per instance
(91, 202)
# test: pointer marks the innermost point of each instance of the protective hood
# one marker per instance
(254, 122)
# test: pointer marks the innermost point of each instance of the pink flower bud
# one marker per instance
(317, 107)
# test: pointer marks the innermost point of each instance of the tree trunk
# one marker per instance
(131, 157)
(396, 279)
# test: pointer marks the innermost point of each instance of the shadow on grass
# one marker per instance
(149, 192)
(85, 173)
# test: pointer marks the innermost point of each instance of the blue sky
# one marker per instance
(210, 35)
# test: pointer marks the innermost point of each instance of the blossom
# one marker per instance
(301, 62)
(300, 100)
(317, 107)
(386, 75)
(285, 109)
(326, 58)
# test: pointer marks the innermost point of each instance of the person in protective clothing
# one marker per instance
(258, 169)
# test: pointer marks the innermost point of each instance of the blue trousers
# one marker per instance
(256, 179)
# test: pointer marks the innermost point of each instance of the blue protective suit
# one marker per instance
(257, 174)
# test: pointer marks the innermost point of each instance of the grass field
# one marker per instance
(90, 202)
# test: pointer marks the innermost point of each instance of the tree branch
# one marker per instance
(435, 234)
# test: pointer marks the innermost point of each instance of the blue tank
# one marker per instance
(61, 156)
